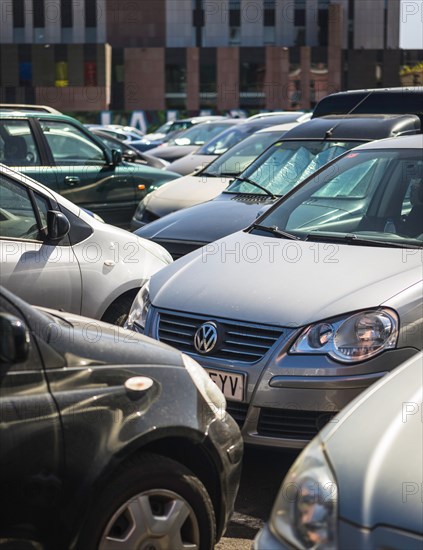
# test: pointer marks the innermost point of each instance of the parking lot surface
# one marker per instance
(263, 472)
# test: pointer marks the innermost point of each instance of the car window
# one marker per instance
(198, 135)
(17, 144)
(285, 164)
(242, 154)
(69, 145)
(17, 216)
(370, 194)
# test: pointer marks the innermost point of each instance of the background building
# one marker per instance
(191, 55)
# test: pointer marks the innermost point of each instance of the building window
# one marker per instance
(38, 14)
(198, 21)
(175, 78)
(90, 65)
(18, 14)
(208, 78)
(251, 78)
(61, 66)
(66, 7)
(299, 13)
(269, 13)
(90, 13)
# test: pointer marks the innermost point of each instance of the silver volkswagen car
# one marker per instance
(319, 298)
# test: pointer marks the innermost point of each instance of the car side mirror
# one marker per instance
(116, 157)
(58, 225)
(129, 155)
(14, 339)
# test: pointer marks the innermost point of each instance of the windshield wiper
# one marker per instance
(351, 238)
(229, 174)
(255, 184)
(275, 231)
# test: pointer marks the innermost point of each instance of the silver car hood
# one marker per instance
(184, 192)
(379, 468)
(282, 282)
(191, 162)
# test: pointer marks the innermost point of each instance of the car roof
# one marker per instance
(28, 107)
(388, 100)
(359, 127)
(279, 127)
(37, 114)
(402, 142)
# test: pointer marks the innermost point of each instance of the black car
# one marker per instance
(108, 439)
(301, 152)
(129, 153)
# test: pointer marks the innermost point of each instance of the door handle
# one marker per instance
(72, 180)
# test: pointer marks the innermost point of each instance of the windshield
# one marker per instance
(367, 195)
(287, 163)
(241, 155)
(198, 134)
(221, 143)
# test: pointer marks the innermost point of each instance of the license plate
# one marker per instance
(230, 383)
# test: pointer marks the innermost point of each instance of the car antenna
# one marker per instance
(329, 133)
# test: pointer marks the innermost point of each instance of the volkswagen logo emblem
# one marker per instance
(205, 339)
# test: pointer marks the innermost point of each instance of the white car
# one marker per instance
(56, 255)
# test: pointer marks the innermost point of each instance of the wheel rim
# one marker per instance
(152, 520)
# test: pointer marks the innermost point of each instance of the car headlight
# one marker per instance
(305, 510)
(140, 306)
(208, 389)
(350, 339)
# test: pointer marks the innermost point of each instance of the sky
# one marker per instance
(411, 25)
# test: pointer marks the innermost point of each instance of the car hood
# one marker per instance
(184, 192)
(191, 162)
(282, 282)
(85, 341)
(206, 222)
(379, 470)
(172, 152)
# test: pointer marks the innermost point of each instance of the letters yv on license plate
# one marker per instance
(231, 384)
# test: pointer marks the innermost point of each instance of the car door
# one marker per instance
(31, 457)
(37, 270)
(84, 174)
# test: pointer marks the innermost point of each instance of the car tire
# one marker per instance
(118, 311)
(150, 502)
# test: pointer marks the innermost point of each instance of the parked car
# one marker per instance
(126, 134)
(188, 141)
(157, 137)
(354, 487)
(98, 450)
(222, 142)
(129, 153)
(208, 183)
(393, 101)
(54, 254)
(317, 299)
(61, 153)
(302, 151)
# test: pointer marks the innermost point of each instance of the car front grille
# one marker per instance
(241, 342)
(238, 411)
(291, 423)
